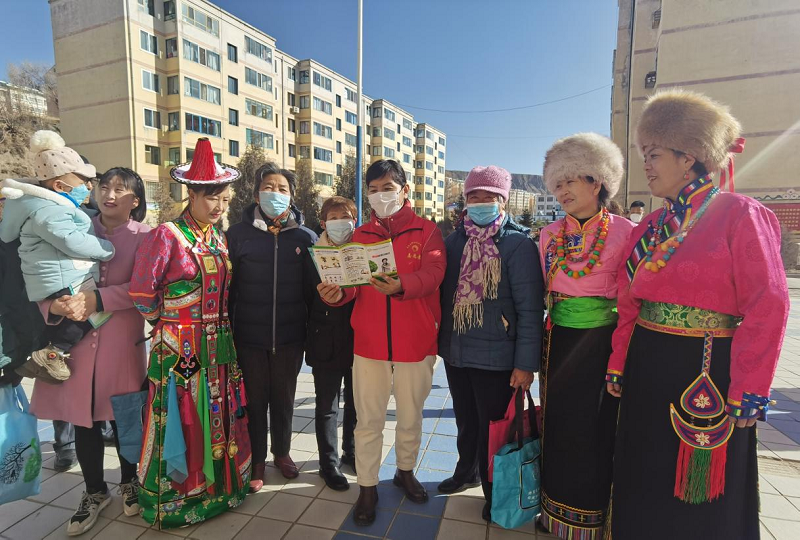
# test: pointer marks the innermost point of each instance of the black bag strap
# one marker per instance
(518, 432)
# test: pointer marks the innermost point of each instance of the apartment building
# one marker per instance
(429, 171)
(20, 98)
(547, 208)
(740, 52)
(140, 81)
(520, 200)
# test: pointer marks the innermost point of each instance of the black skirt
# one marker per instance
(659, 368)
(578, 432)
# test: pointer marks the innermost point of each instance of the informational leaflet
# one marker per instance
(350, 265)
(98, 318)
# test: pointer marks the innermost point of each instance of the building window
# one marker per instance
(323, 106)
(292, 150)
(233, 117)
(351, 118)
(323, 155)
(323, 179)
(200, 20)
(152, 119)
(305, 152)
(148, 6)
(388, 133)
(150, 81)
(428, 197)
(200, 55)
(256, 108)
(171, 46)
(174, 156)
(441, 170)
(428, 135)
(233, 85)
(376, 112)
(198, 90)
(291, 73)
(338, 100)
(259, 138)
(441, 141)
(322, 130)
(149, 42)
(418, 164)
(291, 125)
(657, 18)
(152, 154)
(350, 95)
(305, 127)
(376, 150)
(305, 102)
(258, 49)
(429, 150)
(201, 124)
(233, 53)
(255, 78)
(322, 81)
(389, 115)
(350, 140)
(338, 124)
(406, 140)
(406, 158)
(388, 152)
(650, 80)
(233, 148)
(428, 181)
(173, 86)
(174, 121)
(169, 10)
(440, 198)
(290, 99)
(338, 147)
(407, 124)
(304, 76)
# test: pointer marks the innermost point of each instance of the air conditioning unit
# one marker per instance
(294, 110)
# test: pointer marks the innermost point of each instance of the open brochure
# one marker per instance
(98, 318)
(350, 265)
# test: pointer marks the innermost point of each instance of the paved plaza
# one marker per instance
(305, 509)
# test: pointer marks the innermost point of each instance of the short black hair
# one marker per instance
(637, 204)
(132, 181)
(271, 168)
(382, 167)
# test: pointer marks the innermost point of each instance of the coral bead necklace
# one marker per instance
(593, 253)
(670, 245)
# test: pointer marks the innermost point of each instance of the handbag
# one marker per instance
(130, 426)
(500, 430)
(516, 490)
(20, 453)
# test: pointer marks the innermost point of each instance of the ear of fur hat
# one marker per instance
(691, 123)
(584, 154)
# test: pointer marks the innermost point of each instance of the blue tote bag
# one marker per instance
(516, 490)
(20, 454)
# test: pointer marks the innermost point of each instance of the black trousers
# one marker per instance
(67, 333)
(90, 448)
(327, 383)
(479, 397)
(270, 381)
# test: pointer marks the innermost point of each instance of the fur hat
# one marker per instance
(691, 123)
(53, 158)
(584, 154)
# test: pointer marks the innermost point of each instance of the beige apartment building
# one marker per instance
(520, 200)
(140, 81)
(741, 52)
(428, 194)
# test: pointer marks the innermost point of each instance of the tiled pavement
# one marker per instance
(305, 509)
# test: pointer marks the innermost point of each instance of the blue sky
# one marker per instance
(434, 54)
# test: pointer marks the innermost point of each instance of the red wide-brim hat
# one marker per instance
(203, 170)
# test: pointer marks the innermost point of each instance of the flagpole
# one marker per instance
(359, 118)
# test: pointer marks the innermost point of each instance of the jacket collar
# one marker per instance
(508, 225)
(398, 222)
(257, 219)
(695, 190)
(573, 223)
(15, 189)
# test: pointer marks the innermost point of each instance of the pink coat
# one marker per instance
(107, 357)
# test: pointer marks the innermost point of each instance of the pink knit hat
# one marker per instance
(492, 179)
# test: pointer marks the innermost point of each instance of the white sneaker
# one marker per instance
(130, 497)
(87, 513)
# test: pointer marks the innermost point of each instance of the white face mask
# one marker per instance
(385, 203)
(636, 218)
(340, 231)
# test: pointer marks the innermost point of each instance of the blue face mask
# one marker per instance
(483, 213)
(77, 195)
(272, 203)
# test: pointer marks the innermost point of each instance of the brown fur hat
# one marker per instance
(584, 154)
(691, 123)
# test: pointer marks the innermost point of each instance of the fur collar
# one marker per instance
(15, 189)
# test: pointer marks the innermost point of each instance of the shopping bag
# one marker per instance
(516, 490)
(130, 427)
(20, 454)
(499, 430)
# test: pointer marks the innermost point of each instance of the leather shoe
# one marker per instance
(257, 478)
(334, 479)
(414, 490)
(287, 467)
(364, 512)
(486, 514)
(454, 485)
(349, 460)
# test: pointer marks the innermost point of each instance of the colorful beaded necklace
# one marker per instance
(593, 253)
(670, 245)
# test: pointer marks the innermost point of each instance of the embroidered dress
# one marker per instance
(579, 416)
(196, 459)
(702, 317)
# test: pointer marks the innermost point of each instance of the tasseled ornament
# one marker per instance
(700, 474)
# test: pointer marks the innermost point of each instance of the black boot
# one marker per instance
(334, 479)
(350, 461)
(414, 490)
(364, 512)
(456, 485)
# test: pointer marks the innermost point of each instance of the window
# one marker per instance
(656, 18)
(259, 138)
(291, 126)
(233, 85)
(304, 76)
(428, 197)
(406, 141)
(258, 49)
(429, 165)
(339, 170)
(441, 141)
(323, 106)
(406, 158)
(323, 155)
(255, 78)
(650, 80)
(148, 6)
(376, 150)
(429, 150)
(350, 140)
(152, 118)
(407, 124)
(323, 179)
(388, 133)
(338, 147)
(322, 130)
(174, 156)
(173, 86)
(350, 95)
(171, 46)
(440, 198)
(441, 154)
(292, 150)
(233, 148)
(428, 134)
(338, 100)
(152, 154)
(305, 152)
(322, 81)
(351, 118)
(376, 112)
(388, 152)
(174, 121)
(428, 181)
(201, 124)
(290, 99)
(169, 10)
(233, 53)
(441, 171)
(256, 108)
(305, 102)
(148, 42)
(150, 81)
(291, 73)
(200, 55)
(200, 20)
(305, 127)
(338, 124)
(376, 131)
(418, 148)
(418, 164)
(233, 117)
(389, 115)
(198, 90)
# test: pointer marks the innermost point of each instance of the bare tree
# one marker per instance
(251, 160)
(346, 184)
(166, 207)
(35, 75)
(306, 193)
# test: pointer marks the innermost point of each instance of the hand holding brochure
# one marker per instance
(98, 318)
(350, 265)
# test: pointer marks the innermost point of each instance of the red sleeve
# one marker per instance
(628, 308)
(762, 297)
(49, 318)
(152, 260)
(427, 279)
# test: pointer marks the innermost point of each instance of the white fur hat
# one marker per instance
(584, 154)
(53, 158)
(691, 123)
